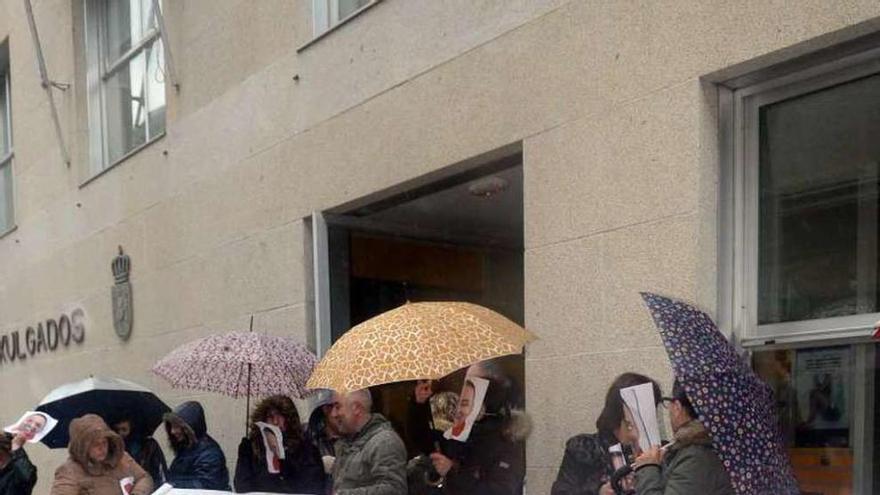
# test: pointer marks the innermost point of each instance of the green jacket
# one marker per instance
(373, 462)
(690, 467)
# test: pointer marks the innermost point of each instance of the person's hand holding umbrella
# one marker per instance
(734, 405)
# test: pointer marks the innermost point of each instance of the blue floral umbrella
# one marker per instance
(732, 402)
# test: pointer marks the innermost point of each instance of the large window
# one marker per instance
(807, 178)
(801, 199)
(7, 214)
(329, 13)
(126, 79)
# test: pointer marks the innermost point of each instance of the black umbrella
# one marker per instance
(111, 398)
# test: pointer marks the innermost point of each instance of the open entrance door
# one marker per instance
(458, 238)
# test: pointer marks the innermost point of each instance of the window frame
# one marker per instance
(325, 18)
(739, 111)
(99, 71)
(6, 159)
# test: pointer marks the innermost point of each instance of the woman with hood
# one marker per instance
(587, 466)
(301, 470)
(98, 463)
(492, 461)
(199, 461)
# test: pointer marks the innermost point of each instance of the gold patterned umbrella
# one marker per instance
(417, 341)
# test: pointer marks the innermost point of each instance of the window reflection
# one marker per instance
(819, 171)
(816, 390)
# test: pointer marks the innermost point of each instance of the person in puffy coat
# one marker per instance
(492, 460)
(198, 460)
(301, 470)
(98, 463)
(17, 474)
(586, 467)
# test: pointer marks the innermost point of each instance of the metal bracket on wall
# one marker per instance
(163, 33)
(46, 82)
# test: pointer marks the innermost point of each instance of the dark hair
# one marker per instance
(5, 443)
(612, 413)
(284, 406)
(679, 394)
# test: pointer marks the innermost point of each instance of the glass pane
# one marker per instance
(156, 89)
(4, 118)
(818, 232)
(6, 206)
(825, 398)
(126, 111)
(348, 7)
(125, 23)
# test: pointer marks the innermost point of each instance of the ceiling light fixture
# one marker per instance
(488, 187)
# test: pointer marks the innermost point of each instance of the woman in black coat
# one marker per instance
(492, 460)
(586, 467)
(301, 470)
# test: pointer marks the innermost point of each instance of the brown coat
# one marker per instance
(80, 476)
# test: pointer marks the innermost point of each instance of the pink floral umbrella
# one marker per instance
(240, 364)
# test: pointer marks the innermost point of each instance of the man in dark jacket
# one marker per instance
(17, 475)
(371, 457)
(689, 466)
(418, 436)
(199, 462)
(143, 448)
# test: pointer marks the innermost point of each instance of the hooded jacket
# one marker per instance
(201, 464)
(316, 431)
(690, 467)
(19, 475)
(586, 465)
(81, 476)
(492, 461)
(372, 462)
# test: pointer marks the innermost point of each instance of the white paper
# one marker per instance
(640, 404)
(127, 485)
(273, 446)
(617, 457)
(476, 388)
(33, 425)
(167, 489)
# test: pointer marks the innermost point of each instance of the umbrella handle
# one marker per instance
(247, 407)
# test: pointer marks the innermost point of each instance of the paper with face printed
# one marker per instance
(641, 411)
(33, 425)
(273, 446)
(127, 485)
(470, 406)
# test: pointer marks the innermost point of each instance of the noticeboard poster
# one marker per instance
(824, 387)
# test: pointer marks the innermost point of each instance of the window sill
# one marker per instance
(7, 232)
(318, 37)
(122, 159)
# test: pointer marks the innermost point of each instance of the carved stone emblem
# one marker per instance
(121, 292)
